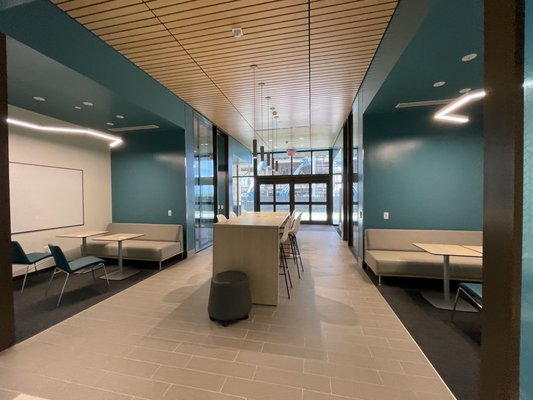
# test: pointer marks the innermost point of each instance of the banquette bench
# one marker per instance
(390, 252)
(159, 242)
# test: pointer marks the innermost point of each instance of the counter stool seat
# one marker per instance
(229, 298)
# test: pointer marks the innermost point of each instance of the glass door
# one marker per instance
(311, 198)
(222, 181)
(204, 185)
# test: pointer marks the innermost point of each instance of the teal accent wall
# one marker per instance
(148, 178)
(44, 27)
(236, 149)
(427, 175)
(526, 327)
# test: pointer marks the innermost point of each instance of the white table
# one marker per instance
(83, 235)
(479, 249)
(250, 243)
(446, 250)
(122, 272)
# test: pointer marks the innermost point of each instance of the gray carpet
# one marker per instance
(34, 312)
(452, 347)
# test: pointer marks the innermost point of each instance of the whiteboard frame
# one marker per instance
(82, 198)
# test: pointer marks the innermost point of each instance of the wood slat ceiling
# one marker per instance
(188, 46)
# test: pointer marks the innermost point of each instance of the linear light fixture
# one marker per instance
(444, 114)
(115, 140)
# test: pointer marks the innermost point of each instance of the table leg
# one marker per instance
(122, 272)
(83, 246)
(446, 279)
(120, 265)
(443, 301)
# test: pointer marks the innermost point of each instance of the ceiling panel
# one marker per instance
(311, 55)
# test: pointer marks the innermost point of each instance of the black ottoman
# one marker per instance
(229, 297)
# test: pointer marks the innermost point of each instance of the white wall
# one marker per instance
(92, 155)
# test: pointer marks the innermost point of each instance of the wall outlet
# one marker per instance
(169, 213)
(386, 215)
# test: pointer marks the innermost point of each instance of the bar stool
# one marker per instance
(283, 257)
(294, 242)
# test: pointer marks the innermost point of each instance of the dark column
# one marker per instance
(7, 319)
(502, 230)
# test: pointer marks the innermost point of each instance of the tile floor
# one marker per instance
(335, 339)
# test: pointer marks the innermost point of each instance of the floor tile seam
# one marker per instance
(289, 386)
(428, 378)
(423, 355)
(91, 386)
(337, 395)
(91, 307)
(268, 383)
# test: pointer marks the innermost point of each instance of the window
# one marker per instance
(320, 162)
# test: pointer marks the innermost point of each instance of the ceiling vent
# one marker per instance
(133, 128)
(423, 103)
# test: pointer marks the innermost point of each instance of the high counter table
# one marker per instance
(250, 243)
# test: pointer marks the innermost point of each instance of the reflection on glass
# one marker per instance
(284, 163)
(301, 192)
(301, 163)
(266, 193)
(321, 162)
(283, 192)
(304, 209)
(243, 185)
(319, 192)
(266, 207)
(337, 199)
(204, 181)
(319, 212)
(282, 208)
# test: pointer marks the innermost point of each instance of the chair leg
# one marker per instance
(94, 277)
(25, 276)
(294, 256)
(298, 251)
(50, 283)
(105, 273)
(160, 267)
(282, 265)
(455, 303)
(286, 265)
(62, 290)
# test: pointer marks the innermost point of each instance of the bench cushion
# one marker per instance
(391, 252)
(136, 249)
(422, 264)
(157, 232)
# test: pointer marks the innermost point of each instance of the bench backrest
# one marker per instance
(157, 232)
(403, 239)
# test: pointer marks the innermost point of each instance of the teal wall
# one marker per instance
(43, 26)
(427, 175)
(526, 327)
(241, 151)
(148, 178)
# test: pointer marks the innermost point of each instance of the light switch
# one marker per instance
(386, 215)
(169, 212)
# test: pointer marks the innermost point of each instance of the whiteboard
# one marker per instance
(44, 197)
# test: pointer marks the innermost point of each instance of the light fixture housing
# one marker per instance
(262, 151)
(254, 148)
(469, 57)
(439, 84)
(39, 98)
(237, 32)
(115, 140)
(445, 113)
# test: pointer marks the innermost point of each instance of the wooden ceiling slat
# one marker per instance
(111, 7)
(111, 14)
(122, 19)
(205, 66)
(68, 5)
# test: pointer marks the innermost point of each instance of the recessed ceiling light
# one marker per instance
(237, 31)
(110, 123)
(469, 57)
(439, 84)
(39, 98)
(269, 140)
(77, 107)
(87, 103)
(301, 138)
(465, 90)
(301, 145)
(119, 116)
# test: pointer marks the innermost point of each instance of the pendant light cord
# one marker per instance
(309, 63)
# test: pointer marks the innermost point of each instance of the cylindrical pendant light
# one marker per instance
(254, 141)
(262, 153)
(254, 148)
